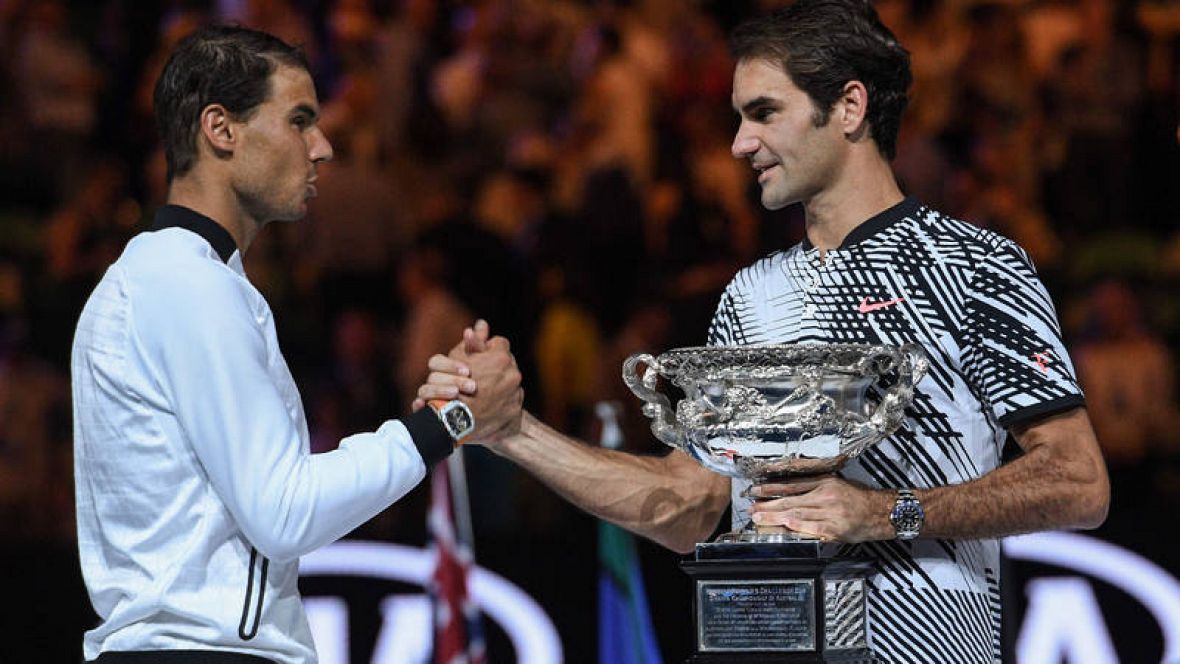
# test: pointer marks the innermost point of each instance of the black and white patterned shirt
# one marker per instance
(974, 302)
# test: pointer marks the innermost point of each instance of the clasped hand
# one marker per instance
(481, 372)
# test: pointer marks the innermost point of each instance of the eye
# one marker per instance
(301, 122)
(762, 114)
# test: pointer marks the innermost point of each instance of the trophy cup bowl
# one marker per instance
(766, 413)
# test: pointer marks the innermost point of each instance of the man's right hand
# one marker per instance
(482, 373)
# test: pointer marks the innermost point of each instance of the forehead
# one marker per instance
(290, 87)
(755, 78)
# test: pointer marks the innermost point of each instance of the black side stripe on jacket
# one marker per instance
(247, 635)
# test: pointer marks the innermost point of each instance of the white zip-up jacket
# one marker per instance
(196, 489)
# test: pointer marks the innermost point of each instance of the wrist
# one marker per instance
(881, 506)
(504, 445)
(529, 425)
(429, 435)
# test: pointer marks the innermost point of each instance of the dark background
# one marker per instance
(563, 169)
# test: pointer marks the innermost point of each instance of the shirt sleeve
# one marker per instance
(1013, 352)
(234, 401)
(726, 326)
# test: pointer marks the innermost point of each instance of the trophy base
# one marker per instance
(759, 601)
(762, 536)
(761, 546)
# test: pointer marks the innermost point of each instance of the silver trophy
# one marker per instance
(766, 413)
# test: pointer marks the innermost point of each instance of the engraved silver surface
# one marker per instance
(761, 412)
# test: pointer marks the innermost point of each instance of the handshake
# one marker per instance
(481, 372)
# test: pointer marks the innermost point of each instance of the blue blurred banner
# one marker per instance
(625, 633)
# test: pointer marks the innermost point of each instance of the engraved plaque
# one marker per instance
(769, 615)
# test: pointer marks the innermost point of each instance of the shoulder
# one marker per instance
(175, 274)
(956, 241)
(949, 230)
(174, 258)
(758, 275)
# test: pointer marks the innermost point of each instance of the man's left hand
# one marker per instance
(828, 507)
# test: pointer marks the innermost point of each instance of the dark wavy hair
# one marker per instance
(824, 44)
(227, 65)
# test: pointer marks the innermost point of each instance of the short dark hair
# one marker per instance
(221, 64)
(824, 44)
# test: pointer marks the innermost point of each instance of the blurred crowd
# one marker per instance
(562, 169)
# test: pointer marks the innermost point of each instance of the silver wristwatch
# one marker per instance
(456, 418)
(907, 515)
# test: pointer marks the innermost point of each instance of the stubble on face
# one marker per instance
(786, 140)
(276, 170)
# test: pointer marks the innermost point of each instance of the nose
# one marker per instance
(319, 149)
(744, 144)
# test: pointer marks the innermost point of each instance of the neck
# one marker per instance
(216, 202)
(866, 190)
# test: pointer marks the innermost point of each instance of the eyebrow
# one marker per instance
(756, 102)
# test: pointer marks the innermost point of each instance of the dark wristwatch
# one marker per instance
(907, 515)
(456, 418)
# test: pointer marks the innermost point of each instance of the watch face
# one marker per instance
(907, 517)
(459, 420)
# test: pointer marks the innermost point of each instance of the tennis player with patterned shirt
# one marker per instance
(820, 88)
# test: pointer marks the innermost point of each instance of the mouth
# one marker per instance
(312, 192)
(763, 169)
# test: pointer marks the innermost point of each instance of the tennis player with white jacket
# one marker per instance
(196, 489)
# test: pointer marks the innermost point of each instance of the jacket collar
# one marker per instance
(190, 220)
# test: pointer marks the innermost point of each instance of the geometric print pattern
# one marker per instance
(844, 626)
(973, 300)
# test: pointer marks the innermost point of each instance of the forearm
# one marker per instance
(1060, 482)
(670, 500)
(303, 502)
(1053, 486)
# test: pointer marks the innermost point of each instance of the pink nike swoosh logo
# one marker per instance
(866, 307)
(1042, 361)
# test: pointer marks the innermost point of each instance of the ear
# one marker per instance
(218, 129)
(852, 109)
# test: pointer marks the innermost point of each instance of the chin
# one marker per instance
(771, 202)
(290, 215)
(777, 198)
(296, 212)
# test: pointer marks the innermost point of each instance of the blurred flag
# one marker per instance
(625, 634)
(458, 632)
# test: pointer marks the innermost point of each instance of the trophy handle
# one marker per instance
(912, 365)
(655, 405)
